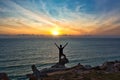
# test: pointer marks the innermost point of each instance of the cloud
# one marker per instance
(43, 18)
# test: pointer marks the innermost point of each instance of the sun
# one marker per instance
(55, 33)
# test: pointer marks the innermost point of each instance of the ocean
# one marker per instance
(18, 54)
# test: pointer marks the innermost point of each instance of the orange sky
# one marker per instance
(45, 19)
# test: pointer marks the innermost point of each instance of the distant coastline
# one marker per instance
(60, 36)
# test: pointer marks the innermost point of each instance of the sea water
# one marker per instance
(18, 54)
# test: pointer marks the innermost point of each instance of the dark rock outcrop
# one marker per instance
(3, 76)
(113, 66)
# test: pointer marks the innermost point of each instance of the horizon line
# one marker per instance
(47, 36)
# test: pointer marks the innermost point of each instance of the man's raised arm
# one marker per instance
(65, 45)
(56, 45)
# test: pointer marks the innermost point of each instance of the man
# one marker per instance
(36, 73)
(61, 50)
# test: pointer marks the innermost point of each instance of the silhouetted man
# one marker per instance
(36, 72)
(61, 50)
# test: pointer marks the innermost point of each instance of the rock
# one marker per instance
(31, 77)
(63, 61)
(3, 76)
(87, 67)
(111, 66)
(58, 65)
(61, 64)
(96, 68)
(108, 66)
(117, 67)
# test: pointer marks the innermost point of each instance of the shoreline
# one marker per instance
(83, 72)
(107, 71)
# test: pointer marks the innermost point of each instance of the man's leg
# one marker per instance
(59, 58)
(64, 55)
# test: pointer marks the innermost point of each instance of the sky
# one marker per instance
(63, 17)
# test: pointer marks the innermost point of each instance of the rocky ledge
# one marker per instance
(107, 71)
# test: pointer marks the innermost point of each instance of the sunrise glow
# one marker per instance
(55, 33)
(59, 17)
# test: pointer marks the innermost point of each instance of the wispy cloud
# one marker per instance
(39, 17)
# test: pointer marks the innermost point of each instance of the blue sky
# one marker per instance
(77, 17)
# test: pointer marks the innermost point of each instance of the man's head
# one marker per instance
(60, 45)
(33, 67)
